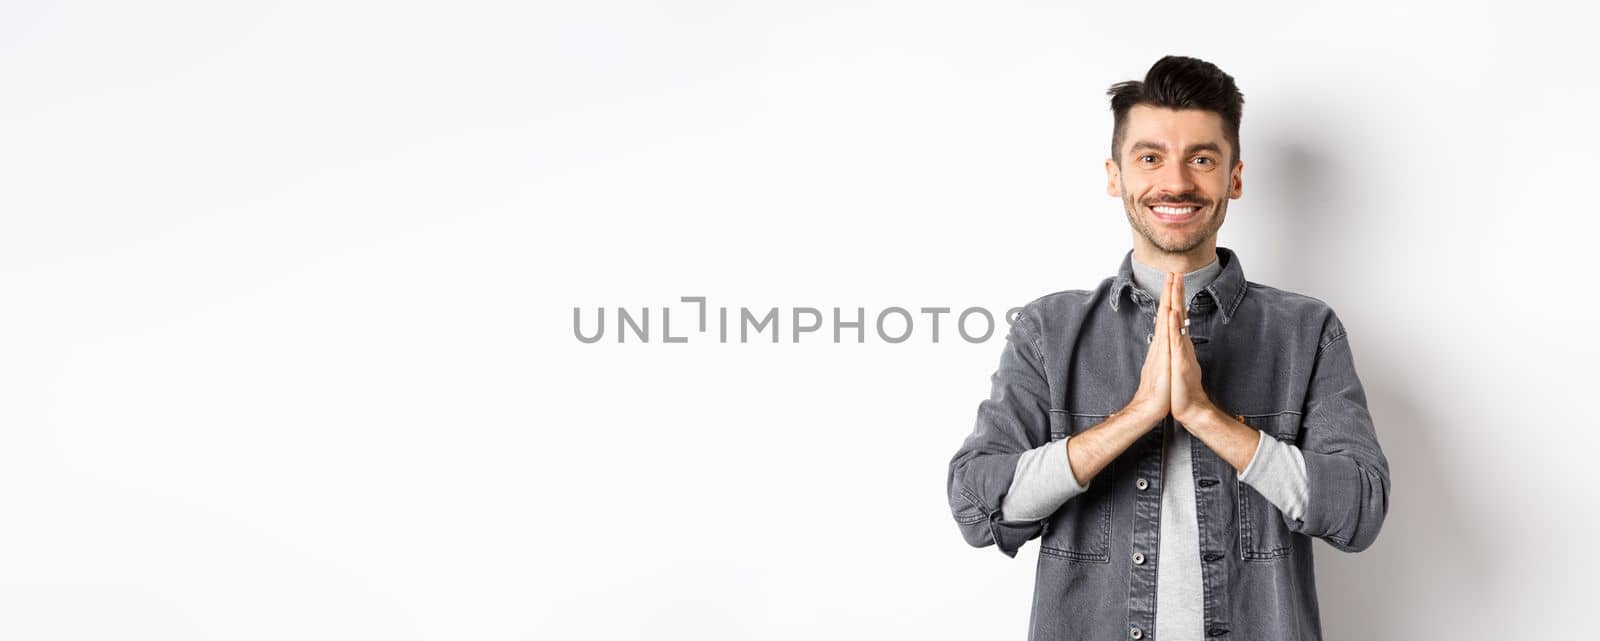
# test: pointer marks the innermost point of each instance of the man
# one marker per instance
(1177, 435)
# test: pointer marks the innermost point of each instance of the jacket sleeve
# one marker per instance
(1013, 420)
(1347, 473)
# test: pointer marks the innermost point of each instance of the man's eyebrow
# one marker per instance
(1199, 146)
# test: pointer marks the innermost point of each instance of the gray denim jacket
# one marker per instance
(1279, 359)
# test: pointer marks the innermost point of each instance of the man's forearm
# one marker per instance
(1232, 440)
(1092, 450)
(1275, 469)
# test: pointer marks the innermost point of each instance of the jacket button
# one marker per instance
(1141, 484)
(1136, 633)
(1138, 558)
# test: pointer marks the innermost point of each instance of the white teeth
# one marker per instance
(1173, 211)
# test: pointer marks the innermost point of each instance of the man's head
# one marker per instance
(1175, 145)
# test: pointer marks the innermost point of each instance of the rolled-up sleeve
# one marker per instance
(1278, 472)
(1013, 420)
(1347, 473)
(1043, 482)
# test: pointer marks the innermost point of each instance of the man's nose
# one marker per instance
(1176, 178)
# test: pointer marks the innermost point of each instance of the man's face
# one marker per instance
(1173, 178)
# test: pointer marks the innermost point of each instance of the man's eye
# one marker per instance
(1142, 158)
(1203, 159)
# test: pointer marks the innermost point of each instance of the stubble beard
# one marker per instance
(1140, 220)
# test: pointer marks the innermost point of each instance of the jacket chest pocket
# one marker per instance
(1080, 530)
(1263, 535)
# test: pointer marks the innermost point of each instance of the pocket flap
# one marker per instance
(1284, 426)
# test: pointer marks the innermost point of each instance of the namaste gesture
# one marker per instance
(1170, 379)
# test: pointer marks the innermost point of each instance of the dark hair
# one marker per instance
(1178, 82)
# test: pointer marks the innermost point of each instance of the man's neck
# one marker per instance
(1151, 278)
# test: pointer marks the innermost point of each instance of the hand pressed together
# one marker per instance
(1169, 382)
(1188, 396)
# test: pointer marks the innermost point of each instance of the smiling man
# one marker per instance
(1178, 435)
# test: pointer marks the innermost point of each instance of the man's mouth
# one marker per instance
(1175, 214)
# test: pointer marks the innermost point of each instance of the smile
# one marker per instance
(1174, 214)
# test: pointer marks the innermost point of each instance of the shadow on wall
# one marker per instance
(1428, 550)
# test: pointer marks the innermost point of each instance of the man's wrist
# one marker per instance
(1230, 436)
(1204, 417)
(1137, 413)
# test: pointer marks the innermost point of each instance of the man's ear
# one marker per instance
(1236, 186)
(1113, 179)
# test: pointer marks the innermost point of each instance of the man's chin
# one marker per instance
(1179, 244)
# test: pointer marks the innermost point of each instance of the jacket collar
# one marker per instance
(1226, 290)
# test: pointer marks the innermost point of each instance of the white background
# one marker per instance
(288, 293)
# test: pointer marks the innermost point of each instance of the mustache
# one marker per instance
(1181, 199)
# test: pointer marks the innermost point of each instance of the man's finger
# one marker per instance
(1161, 317)
(1172, 292)
(1166, 300)
(1177, 300)
(1172, 337)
